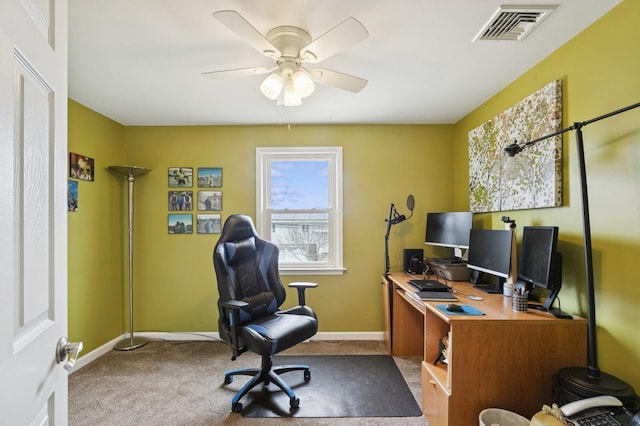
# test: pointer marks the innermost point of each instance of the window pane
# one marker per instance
(301, 237)
(299, 185)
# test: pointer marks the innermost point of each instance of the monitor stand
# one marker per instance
(553, 311)
(491, 288)
(547, 305)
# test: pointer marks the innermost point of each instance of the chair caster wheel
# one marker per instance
(236, 407)
(307, 375)
(294, 403)
(228, 379)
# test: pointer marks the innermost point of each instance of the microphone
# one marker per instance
(398, 219)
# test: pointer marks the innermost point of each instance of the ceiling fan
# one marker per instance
(289, 81)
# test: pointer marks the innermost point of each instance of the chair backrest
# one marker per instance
(246, 268)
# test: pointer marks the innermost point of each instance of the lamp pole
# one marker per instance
(131, 172)
(579, 382)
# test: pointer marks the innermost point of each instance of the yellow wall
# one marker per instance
(175, 286)
(96, 298)
(176, 289)
(600, 72)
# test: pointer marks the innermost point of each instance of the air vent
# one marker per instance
(514, 22)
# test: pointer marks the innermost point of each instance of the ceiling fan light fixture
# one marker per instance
(290, 46)
(302, 84)
(272, 86)
(291, 97)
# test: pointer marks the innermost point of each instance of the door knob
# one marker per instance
(69, 351)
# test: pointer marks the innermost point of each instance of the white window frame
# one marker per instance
(333, 155)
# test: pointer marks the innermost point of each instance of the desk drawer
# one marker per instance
(435, 399)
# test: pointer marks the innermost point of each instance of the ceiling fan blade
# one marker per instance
(337, 79)
(239, 72)
(236, 23)
(346, 33)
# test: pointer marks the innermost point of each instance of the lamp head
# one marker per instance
(513, 149)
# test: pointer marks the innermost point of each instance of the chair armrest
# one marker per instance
(233, 306)
(301, 286)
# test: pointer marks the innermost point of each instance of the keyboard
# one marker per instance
(429, 285)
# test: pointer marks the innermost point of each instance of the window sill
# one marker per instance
(311, 271)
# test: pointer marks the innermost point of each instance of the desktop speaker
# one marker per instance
(413, 262)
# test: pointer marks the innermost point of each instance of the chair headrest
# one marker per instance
(239, 252)
(238, 227)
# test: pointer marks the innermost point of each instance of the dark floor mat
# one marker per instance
(340, 386)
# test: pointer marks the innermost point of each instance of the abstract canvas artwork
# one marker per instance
(537, 182)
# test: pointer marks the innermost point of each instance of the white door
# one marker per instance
(33, 190)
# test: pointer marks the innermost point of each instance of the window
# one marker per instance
(299, 207)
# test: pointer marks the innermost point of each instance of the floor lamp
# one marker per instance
(131, 172)
(580, 382)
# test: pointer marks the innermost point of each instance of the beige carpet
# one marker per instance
(181, 383)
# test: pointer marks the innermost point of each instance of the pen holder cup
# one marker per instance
(519, 302)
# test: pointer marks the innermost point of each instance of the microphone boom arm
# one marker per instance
(386, 241)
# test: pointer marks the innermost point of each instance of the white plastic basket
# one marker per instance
(500, 417)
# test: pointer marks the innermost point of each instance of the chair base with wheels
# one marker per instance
(266, 374)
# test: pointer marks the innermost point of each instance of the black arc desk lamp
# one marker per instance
(580, 382)
(394, 219)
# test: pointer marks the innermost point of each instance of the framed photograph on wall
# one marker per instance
(180, 224)
(209, 177)
(180, 177)
(72, 195)
(210, 200)
(81, 167)
(209, 223)
(180, 200)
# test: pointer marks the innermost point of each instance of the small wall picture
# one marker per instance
(72, 195)
(208, 223)
(180, 224)
(80, 167)
(180, 200)
(209, 177)
(181, 177)
(210, 200)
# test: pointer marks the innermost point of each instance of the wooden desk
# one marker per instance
(503, 359)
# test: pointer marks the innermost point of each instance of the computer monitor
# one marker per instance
(449, 229)
(541, 264)
(490, 253)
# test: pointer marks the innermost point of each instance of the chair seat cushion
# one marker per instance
(277, 332)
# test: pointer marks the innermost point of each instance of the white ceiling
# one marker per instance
(139, 62)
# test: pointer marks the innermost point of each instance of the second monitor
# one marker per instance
(489, 256)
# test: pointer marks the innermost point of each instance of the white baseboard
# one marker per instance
(88, 358)
(349, 335)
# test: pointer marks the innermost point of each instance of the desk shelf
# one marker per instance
(502, 359)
